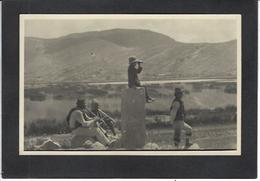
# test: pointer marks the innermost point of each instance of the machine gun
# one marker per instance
(109, 122)
(102, 120)
(107, 116)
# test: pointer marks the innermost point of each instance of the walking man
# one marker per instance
(82, 124)
(134, 69)
(177, 114)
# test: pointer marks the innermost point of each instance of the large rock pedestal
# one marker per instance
(133, 118)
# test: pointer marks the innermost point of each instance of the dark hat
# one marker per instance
(179, 90)
(81, 102)
(133, 59)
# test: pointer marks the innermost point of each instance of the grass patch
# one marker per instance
(45, 126)
(154, 120)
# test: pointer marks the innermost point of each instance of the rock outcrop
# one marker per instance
(48, 145)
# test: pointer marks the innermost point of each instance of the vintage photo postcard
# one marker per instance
(130, 84)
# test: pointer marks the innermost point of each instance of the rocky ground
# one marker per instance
(72, 142)
(213, 137)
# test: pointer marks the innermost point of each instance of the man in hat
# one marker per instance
(82, 124)
(134, 69)
(106, 120)
(177, 114)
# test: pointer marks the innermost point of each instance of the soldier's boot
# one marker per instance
(188, 142)
(177, 140)
(149, 99)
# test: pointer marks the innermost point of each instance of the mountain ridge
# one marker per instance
(100, 56)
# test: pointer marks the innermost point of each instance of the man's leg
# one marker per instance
(147, 97)
(146, 93)
(81, 131)
(177, 126)
(92, 132)
(188, 132)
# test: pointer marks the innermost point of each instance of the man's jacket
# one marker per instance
(180, 115)
(133, 79)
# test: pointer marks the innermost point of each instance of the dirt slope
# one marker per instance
(102, 56)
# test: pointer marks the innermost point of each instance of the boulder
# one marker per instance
(63, 139)
(87, 144)
(78, 141)
(98, 146)
(33, 143)
(48, 145)
(151, 146)
(41, 140)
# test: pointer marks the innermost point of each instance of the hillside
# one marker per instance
(103, 56)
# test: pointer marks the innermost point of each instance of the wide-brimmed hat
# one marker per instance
(133, 59)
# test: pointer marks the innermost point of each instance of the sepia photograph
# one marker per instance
(119, 84)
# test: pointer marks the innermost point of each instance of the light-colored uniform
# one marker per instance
(179, 124)
(88, 127)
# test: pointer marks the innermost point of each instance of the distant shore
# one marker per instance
(168, 81)
(143, 82)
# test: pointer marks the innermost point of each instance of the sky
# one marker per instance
(188, 30)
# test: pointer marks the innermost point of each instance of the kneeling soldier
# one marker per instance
(82, 124)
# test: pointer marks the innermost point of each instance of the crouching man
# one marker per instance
(82, 124)
(177, 114)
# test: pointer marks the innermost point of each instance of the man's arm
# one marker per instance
(175, 107)
(139, 69)
(85, 123)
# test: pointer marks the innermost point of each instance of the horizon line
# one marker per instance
(62, 36)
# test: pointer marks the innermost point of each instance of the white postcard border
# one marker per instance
(24, 17)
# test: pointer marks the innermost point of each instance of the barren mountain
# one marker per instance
(103, 56)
